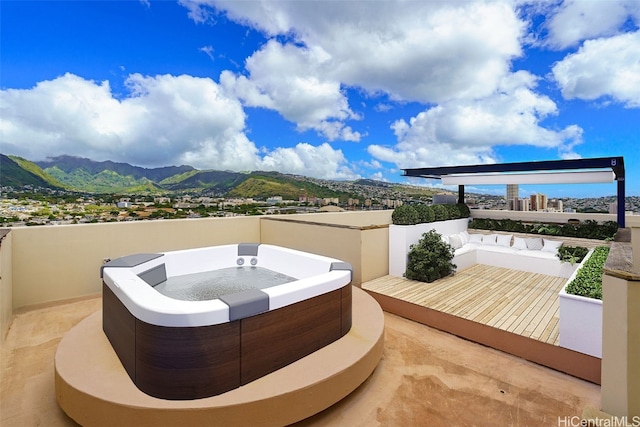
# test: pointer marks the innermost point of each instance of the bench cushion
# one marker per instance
(475, 238)
(504, 240)
(551, 245)
(519, 243)
(534, 243)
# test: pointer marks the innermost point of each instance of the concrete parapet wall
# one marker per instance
(50, 263)
(6, 284)
(364, 247)
(53, 263)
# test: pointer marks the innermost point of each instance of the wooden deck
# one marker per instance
(514, 301)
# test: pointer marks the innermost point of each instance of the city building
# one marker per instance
(521, 204)
(538, 202)
(444, 199)
(274, 200)
(513, 195)
(556, 205)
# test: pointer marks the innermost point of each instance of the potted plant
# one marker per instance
(410, 222)
(430, 259)
(581, 305)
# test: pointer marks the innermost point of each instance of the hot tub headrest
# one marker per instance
(129, 261)
(341, 266)
(246, 303)
(248, 249)
(155, 275)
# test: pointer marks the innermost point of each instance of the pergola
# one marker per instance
(575, 171)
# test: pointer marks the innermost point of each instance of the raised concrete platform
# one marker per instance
(93, 388)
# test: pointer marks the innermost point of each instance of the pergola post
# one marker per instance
(621, 202)
(461, 194)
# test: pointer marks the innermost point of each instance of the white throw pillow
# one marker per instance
(475, 238)
(534, 243)
(489, 239)
(455, 241)
(504, 240)
(551, 245)
(445, 238)
(519, 243)
(465, 237)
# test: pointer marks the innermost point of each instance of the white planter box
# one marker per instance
(580, 321)
(401, 237)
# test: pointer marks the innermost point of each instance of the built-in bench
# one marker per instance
(530, 254)
(402, 237)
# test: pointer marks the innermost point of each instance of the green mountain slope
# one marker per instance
(81, 174)
(219, 182)
(18, 172)
(70, 164)
(267, 184)
(84, 175)
(105, 181)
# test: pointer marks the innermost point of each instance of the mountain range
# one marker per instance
(84, 175)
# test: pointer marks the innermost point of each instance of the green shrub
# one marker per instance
(453, 211)
(464, 210)
(572, 254)
(588, 229)
(405, 215)
(430, 258)
(440, 212)
(425, 213)
(588, 279)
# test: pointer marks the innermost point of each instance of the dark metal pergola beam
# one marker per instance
(616, 164)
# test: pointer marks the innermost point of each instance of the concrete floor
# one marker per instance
(426, 377)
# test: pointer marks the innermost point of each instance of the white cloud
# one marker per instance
(424, 51)
(603, 67)
(574, 21)
(412, 51)
(465, 132)
(165, 120)
(378, 176)
(208, 50)
(304, 159)
(291, 80)
(454, 57)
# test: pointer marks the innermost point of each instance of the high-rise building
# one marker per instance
(512, 197)
(521, 204)
(538, 202)
(555, 205)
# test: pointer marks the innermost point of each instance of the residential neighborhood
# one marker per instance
(30, 206)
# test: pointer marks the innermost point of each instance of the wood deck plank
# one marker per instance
(514, 301)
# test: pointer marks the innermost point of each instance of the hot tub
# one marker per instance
(205, 338)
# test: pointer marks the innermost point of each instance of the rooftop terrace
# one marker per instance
(49, 281)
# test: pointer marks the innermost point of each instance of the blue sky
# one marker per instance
(336, 90)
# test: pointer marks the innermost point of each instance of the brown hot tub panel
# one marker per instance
(181, 363)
